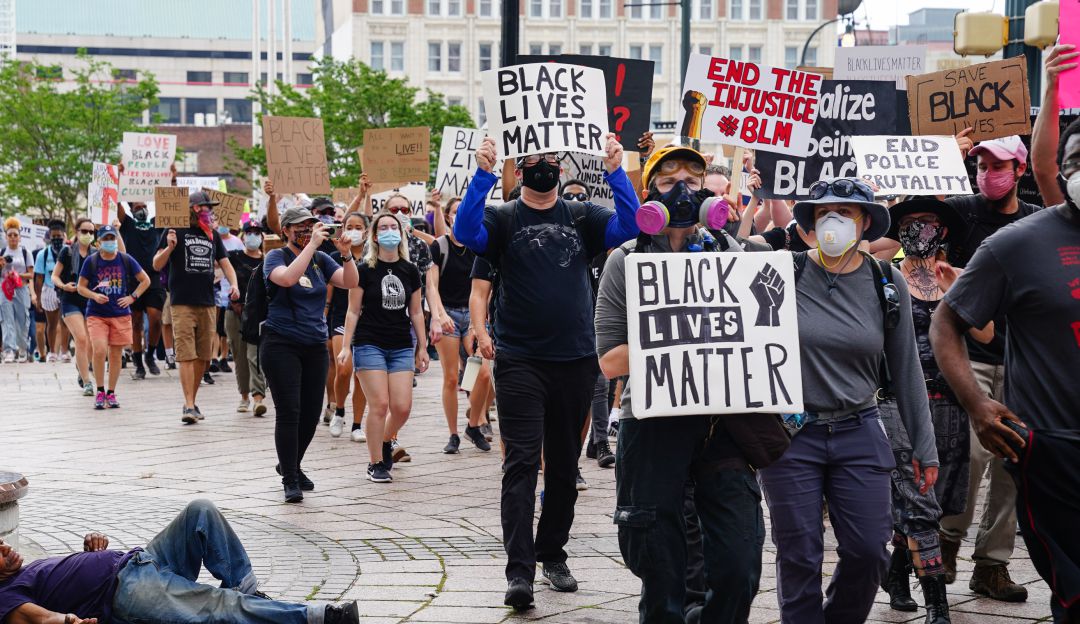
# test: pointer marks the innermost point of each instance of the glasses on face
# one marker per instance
(533, 159)
(398, 210)
(86, 231)
(673, 165)
(925, 220)
(844, 187)
(575, 197)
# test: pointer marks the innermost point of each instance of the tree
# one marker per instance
(349, 97)
(52, 131)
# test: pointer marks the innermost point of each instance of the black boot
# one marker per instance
(897, 581)
(937, 602)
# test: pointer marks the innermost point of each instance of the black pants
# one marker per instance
(654, 460)
(542, 407)
(296, 376)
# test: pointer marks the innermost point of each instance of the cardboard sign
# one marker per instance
(457, 163)
(148, 160)
(172, 207)
(847, 108)
(31, 235)
(629, 91)
(396, 154)
(749, 105)
(415, 192)
(1069, 32)
(103, 193)
(887, 63)
(991, 97)
(229, 211)
(296, 154)
(712, 333)
(344, 197)
(590, 170)
(906, 165)
(546, 107)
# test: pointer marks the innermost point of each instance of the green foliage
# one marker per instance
(54, 127)
(349, 97)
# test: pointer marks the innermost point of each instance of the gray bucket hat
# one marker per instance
(844, 191)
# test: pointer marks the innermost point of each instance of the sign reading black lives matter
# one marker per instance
(713, 333)
(457, 163)
(546, 107)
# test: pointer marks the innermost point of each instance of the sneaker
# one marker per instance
(378, 473)
(170, 363)
(244, 406)
(292, 491)
(50, 358)
(580, 482)
(207, 379)
(140, 372)
(88, 389)
(453, 445)
(590, 450)
(260, 409)
(400, 455)
(302, 479)
(198, 413)
(388, 455)
(328, 413)
(23, 358)
(337, 426)
(346, 613)
(213, 367)
(65, 357)
(519, 594)
(110, 400)
(613, 429)
(559, 577)
(477, 438)
(994, 581)
(223, 366)
(99, 401)
(604, 457)
(9, 357)
(357, 435)
(189, 417)
(151, 365)
(489, 435)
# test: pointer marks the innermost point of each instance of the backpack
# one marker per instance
(504, 215)
(260, 290)
(129, 280)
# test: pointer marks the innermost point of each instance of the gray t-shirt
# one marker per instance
(842, 336)
(1029, 272)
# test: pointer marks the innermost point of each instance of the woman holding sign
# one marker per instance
(851, 308)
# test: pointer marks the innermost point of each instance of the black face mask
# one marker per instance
(541, 177)
(57, 242)
(682, 203)
(139, 214)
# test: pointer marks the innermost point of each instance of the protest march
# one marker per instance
(613, 332)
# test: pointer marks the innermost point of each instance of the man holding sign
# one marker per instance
(545, 363)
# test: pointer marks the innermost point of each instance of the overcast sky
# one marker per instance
(881, 14)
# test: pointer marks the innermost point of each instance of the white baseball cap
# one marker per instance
(1004, 148)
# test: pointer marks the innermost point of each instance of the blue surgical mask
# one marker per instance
(252, 241)
(110, 246)
(389, 239)
(223, 229)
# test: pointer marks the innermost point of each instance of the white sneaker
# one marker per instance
(336, 425)
(358, 435)
(22, 359)
(243, 407)
(9, 357)
(65, 357)
(50, 358)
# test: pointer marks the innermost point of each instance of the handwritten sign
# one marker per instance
(546, 107)
(396, 154)
(171, 205)
(992, 98)
(1069, 32)
(457, 163)
(886, 63)
(230, 208)
(103, 193)
(749, 105)
(296, 154)
(415, 192)
(345, 196)
(906, 165)
(590, 170)
(712, 333)
(148, 160)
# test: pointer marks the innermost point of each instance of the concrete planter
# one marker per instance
(13, 486)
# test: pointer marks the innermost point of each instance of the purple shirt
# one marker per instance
(115, 278)
(83, 584)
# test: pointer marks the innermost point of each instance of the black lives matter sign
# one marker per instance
(546, 107)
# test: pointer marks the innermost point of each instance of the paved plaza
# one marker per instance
(425, 548)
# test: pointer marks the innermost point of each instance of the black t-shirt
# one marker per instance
(72, 262)
(482, 270)
(1029, 273)
(141, 240)
(455, 282)
(244, 265)
(191, 266)
(384, 321)
(545, 301)
(339, 299)
(785, 238)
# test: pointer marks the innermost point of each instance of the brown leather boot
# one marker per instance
(948, 557)
(993, 580)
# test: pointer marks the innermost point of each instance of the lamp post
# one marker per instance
(806, 46)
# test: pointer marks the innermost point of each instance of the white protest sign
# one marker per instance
(200, 182)
(749, 105)
(415, 192)
(713, 333)
(546, 107)
(147, 159)
(881, 63)
(31, 235)
(590, 170)
(102, 193)
(906, 165)
(457, 163)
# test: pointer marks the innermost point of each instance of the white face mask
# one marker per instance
(356, 237)
(835, 234)
(1072, 187)
(404, 220)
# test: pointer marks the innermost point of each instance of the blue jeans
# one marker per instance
(158, 584)
(15, 315)
(370, 357)
(461, 321)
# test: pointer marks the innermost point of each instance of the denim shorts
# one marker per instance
(461, 321)
(370, 357)
(69, 309)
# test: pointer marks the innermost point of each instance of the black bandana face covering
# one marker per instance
(921, 240)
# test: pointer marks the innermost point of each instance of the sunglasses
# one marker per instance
(533, 159)
(399, 210)
(844, 187)
(575, 196)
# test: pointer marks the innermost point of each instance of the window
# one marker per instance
(483, 113)
(755, 10)
(434, 7)
(791, 57)
(444, 8)
(654, 111)
(635, 12)
(395, 7)
(605, 9)
(554, 49)
(536, 49)
(454, 101)
(536, 8)
(585, 9)
(434, 56)
(377, 62)
(262, 77)
(129, 74)
(792, 9)
(705, 49)
(378, 7)
(735, 53)
(453, 8)
(585, 49)
(167, 110)
(485, 56)
(189, 163)
(489, 8)
(200, 77)
(603, 49)
(754, 55)
(453, 56)
(812, 10)
(305, 80)
(655, 11)
(237, 111)
(397, 56)
(736, 9)
(236, 78)
(198, 109)
(656, 55)
(811, 57)
(705, 9)
(555, 8)
(635, 52)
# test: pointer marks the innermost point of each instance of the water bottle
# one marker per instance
(472, 369)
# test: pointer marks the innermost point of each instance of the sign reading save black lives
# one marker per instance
(712, 333)
(847, 108)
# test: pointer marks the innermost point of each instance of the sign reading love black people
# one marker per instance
(906, 165)
(847, 108)
(147, 160)
(991, 98)
(629, 91)
(749, 105)
(712, 333)
(457, 163)
(546, 107)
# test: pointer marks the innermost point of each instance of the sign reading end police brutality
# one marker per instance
(546, 107)
(712, 334)
(906, 165)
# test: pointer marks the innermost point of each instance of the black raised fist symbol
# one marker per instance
(768, 289)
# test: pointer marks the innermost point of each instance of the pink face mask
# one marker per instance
(996, 184)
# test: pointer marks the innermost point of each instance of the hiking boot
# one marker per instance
(477, 437)
(948, 557)
(936, 599)
(379, 473)
(897, 580)
(400, 455)
(519, 594)
(346, 613)
(604, 457)
(993, 580)
(151, 365)
(452, 445)
(559, 577)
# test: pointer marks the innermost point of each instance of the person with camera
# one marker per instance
(16, 275)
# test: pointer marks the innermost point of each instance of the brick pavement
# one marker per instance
(425, 548)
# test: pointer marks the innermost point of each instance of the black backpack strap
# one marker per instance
(799, 260)
(882, 271)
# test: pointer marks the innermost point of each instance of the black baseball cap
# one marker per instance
(201, 198)
(321, 203)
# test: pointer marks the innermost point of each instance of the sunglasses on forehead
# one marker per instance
(843, 187)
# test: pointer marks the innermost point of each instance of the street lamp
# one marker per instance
(847, 40)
